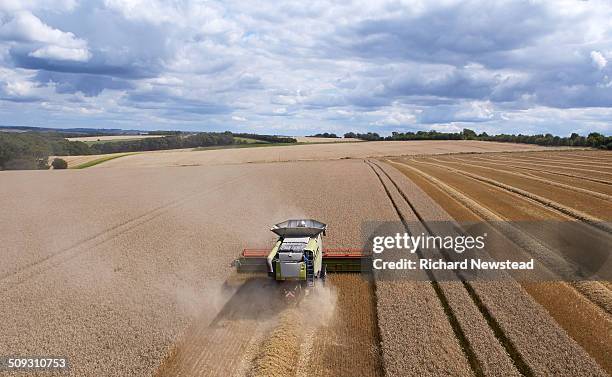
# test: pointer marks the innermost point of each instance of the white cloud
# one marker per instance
(18, 88)
(205, 17)
(148, 10)
(477, 110)
(57, 44)
(53, 5)
(598, 59)
(451, 127)
(62, 53)
(26, 27)
(18, 85)
(397, 118)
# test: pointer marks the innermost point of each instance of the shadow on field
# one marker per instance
(258, 298)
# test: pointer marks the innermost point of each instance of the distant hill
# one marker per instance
(82, 131)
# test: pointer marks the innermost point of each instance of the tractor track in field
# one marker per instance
(593, 291)
(16, 277)
(501, 163)
(535, 178)
(585, 315)
(596, 205)
(589, 163)
(460, 327)
(226, 344)
(592, 158)
(460, 336)
(562, 215)
(572, 181)
(529, 337)
(565, 163)
(598, 173)
(558, 207)
(259, 333)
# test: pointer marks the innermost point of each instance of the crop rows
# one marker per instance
(528, 334)
(468, 198)
(347, 343)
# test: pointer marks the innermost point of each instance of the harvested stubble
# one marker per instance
(416, 335)
(348, 344)
(485, 355)
(281, 349)
(139, 253)
(560, 181)
(555, 167)
(553, 174)
(581, 319)
(591, 210)
(542, 345)
(259, 333)
(563, 162)
(547, 255)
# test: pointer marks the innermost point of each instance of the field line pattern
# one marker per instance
(535, 178)
(592, 158)
(454, 322)
(578, 215)
(590, 163)
(555, 263)
(564, 163)
(553, 341)
(500, 163)
(508, 345)
(518, 160)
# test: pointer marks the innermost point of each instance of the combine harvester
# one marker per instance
(298, 256)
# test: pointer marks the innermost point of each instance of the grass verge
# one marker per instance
(100, 160)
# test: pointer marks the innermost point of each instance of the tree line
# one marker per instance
(325, 134)
(267, 138)
(31, 150)
(593, 139)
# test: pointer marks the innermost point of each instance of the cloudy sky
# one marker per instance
(308, 66)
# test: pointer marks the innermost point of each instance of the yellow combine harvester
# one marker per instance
(298, 255)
